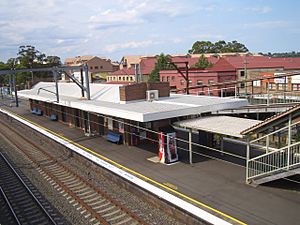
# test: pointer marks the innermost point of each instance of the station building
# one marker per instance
(135, 112)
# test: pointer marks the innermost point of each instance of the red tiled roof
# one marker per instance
(288, 63)
(221, 65)
(179, 61)
(253, 62)
(123, 71)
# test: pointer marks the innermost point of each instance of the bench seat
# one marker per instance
(114, 137)
(53, 117)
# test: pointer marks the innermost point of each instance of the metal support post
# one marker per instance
(56, 85)
(89, 124)
(190, 146)
(235, 91)
(289, 141)
(267, 143)
(284, 90)
(252, 92)
(81, 81)
(222, 144)
(15, 89)
(221, 92)
(268, 93)
(247, 160)
(136, 73)
(10, 84)
(86, 69)
(141, 73)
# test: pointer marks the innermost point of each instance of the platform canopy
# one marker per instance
(225, 125)
(105, 99)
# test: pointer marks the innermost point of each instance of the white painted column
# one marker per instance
(190, 146)
(247, 160)
(289, 141)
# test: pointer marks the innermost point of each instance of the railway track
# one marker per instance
(96, 206)
(18, 202)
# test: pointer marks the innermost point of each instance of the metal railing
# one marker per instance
(280, 160)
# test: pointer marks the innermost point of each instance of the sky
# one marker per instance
(116, 28)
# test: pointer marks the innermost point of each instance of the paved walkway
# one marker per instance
(214, 183)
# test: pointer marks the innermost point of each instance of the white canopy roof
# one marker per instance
(226, 125)
(105, 100)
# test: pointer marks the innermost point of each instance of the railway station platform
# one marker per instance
(213, 183)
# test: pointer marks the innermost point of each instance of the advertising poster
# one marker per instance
(172, 155)
(161, 146)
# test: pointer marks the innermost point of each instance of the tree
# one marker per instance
(162, 63)
(52, 61)
(203, 63)
(29, 56)
(282, 54)
(201, 47)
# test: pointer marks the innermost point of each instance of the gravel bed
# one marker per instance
(146, 211)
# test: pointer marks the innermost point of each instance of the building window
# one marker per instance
(120, 78)
(91, 67)
(131, 78)
(101, 67)
(296, 87)
(123, 78)
(162, 79)
(127, 78)
(281, 86)
(210, 81)
(199, 82)
(168, 78)
(242, 73)
(271, 86)
(182, 82)
(256, 83)
(173, 78)
(190, 81)
(114, 78)
(242, 85)
(96, 67)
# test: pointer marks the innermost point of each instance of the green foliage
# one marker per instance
(203, 63)
(201, 47)
(162, 63)
(282, 54)
(29, 57)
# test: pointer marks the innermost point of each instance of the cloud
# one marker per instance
(268, 25)
(128, 45)
(134, 12)
(262, 9)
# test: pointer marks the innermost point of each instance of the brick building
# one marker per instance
(220, 72)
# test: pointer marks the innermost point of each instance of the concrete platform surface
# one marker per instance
(215, 183)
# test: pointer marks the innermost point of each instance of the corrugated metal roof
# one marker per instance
(226, 125)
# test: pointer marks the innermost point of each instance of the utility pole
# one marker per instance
(245, 74)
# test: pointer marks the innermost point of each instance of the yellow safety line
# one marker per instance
(132, 171)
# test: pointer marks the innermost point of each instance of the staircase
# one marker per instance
(274, 165)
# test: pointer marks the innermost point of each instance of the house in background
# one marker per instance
(135, 73)
(138, 68)
(220, 72)
(98, 67)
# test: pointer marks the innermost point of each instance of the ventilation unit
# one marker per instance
(152, 95)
